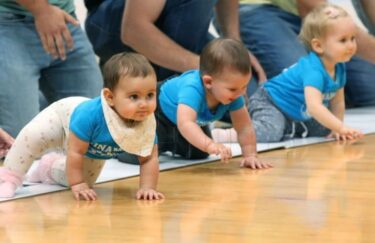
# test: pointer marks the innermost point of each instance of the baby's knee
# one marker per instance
(268, 132)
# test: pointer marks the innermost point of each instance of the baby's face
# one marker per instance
(229, 85)
(134, 98)
(339, 44)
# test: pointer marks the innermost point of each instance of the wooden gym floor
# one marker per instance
(317, 193)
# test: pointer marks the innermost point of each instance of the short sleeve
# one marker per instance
(81, 123)
(314, 79)
(190, 96)
(237, 104)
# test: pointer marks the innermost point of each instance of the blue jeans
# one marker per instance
(272, 35)
(25, 68)
(184, 21)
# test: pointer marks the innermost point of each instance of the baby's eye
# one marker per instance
(150, 95)
(343, 40)
(133, 97)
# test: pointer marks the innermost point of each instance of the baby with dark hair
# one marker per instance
(89, 131)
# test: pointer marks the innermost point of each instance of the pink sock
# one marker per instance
(224, 135)
(7, 189)
(43, 172)
(9, 181)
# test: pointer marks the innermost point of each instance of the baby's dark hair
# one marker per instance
(224, 53)
(126, 64)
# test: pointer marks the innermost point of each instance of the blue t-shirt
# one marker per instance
(88, 124)
(188, 89)
(287, 89)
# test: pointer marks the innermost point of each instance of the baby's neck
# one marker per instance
(330, 67)
(212, 102)
(130, 122)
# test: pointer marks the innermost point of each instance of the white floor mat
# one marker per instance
(360, 118)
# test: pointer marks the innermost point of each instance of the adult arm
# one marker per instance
(51, 24)
(228, 19)
(145, 37)
(305, 6)
(366, 45)
(369, 8)
(366, 41)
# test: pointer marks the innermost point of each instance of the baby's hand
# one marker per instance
(346, 133)
(254, 162)
(224, 152)
(149, 194)
(84, 191)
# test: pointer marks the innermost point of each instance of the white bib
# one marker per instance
(138, 140)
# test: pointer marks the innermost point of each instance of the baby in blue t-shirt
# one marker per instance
(89, 131)
(307, 99)
(189, 102)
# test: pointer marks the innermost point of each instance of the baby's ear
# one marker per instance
(207, 81)
(108, 95)
(316, 46)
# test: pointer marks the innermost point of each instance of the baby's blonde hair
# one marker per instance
(316, 23)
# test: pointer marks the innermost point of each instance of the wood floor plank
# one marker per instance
(318, 193)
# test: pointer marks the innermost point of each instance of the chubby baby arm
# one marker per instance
(74, 169)
(247, 139)
(343, 132)
(192, 132)
(149, 175)
(331, 119)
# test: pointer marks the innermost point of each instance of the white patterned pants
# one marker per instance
(47, 132)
